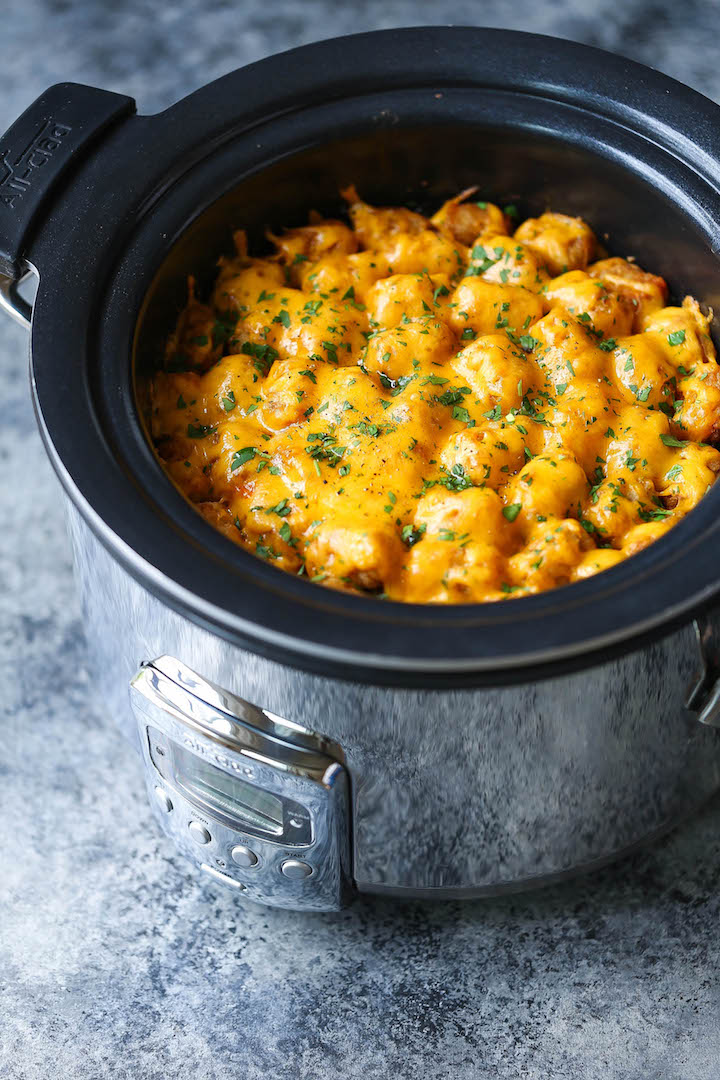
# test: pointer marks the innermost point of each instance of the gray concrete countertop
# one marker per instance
(115, 960)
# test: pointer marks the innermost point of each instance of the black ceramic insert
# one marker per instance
(408, 116)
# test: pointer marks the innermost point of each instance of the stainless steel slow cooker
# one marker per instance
(299, 744)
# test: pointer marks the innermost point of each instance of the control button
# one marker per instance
(295, 869)
(199, 833)
(163, 800)
(244, 856)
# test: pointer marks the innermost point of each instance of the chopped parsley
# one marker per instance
(656, 514)
(411, 535)
(224, 327)
(199, 431)
(240, 457)
(263, 355)
(322, 446)
(454, 479)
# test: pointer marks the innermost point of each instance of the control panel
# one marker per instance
(257, 802)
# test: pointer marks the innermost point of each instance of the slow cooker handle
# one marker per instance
(35, 154)
(704, 696)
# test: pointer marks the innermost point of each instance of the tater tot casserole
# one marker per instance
(445, 409)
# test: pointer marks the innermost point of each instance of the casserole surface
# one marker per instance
(445, 409)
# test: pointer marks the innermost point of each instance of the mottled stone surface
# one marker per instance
(115, 961)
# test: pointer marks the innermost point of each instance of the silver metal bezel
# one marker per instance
(168, 696)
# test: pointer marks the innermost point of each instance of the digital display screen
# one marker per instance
(212, 787)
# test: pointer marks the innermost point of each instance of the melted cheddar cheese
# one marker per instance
(439, 409)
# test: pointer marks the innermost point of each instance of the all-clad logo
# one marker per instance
(16, 176)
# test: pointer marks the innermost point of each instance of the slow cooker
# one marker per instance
(301, 745)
